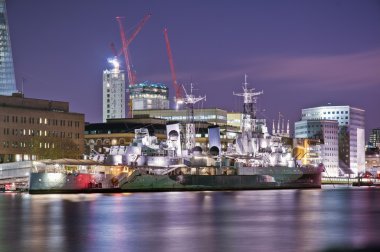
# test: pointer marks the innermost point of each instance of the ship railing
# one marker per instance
(121, 177)
(167, 171)
(130, 178)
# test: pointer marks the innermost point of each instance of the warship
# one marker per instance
(256, 160)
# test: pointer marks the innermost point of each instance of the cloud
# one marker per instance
(336, 72)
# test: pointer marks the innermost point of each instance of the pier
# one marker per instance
(15, 175)
(350, 181)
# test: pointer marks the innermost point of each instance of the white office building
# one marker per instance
(351, 134)
(327, 132)
(113, 93)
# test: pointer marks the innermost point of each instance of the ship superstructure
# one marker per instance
(255, 147)
(253, 151)
(190, 99)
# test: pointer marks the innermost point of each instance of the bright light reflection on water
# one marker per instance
(284, 220)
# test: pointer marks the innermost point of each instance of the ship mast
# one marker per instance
(249, 107)
(190, 100)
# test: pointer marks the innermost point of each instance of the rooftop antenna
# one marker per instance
(22, 85)
(178, 98)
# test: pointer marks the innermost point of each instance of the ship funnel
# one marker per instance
(214, 140)
(174, 137)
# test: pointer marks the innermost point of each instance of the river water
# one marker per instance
(268, 220)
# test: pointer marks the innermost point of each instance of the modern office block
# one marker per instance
(351, 123)
(327, 132)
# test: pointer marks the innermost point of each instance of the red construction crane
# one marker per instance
(177, 88)
(126, 42)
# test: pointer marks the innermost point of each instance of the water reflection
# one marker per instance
(285, 220)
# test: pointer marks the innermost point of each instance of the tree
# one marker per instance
(53, 147)
(344, 146)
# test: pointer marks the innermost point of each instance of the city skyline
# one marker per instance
(300, 54)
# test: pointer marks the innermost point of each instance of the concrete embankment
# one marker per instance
(350, 181)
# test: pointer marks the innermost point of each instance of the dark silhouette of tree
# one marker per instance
(54, 148)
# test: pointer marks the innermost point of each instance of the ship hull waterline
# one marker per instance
(161, 183)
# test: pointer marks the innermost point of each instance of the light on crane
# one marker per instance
(115, 62)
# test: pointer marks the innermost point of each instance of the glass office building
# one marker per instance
(7, 76)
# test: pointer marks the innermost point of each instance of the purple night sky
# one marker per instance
(300, 53)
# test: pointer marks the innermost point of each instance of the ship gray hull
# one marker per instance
(144, 182)
(218, 182)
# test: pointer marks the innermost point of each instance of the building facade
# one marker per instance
(327, 132)
(212, 116)
(374, 138)
(7, 76)
(23, 120)
(351, 123)
(113, 93)
(234, 119)
(120, 132)
(149, 96)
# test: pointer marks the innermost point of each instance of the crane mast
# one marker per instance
(125, 43)
(125, 50)
(178, 94)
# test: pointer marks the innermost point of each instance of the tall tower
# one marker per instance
(113, 92)
(7, 75)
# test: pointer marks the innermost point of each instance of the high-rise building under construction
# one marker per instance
(113, 92)
(147, 95)
(7, 76)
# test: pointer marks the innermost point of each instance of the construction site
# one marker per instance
(142, 95)
(127, 97)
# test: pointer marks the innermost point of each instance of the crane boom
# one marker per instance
(178, 93)
(126, 42)
(125, 50)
